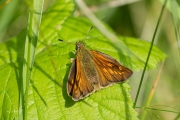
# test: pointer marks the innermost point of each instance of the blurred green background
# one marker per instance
(134, 18)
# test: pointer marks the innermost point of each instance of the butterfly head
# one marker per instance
(78, 45)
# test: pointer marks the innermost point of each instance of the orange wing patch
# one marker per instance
(111, 71)
(78, 86)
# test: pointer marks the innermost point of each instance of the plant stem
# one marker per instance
(152, 92)
(29, 53)
(150, 49)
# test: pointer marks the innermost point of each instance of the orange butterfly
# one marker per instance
(92, 70)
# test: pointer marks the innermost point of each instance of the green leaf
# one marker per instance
(11, 60)
(48, 97)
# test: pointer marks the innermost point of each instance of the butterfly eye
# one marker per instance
(78, 45)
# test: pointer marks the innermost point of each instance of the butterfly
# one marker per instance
(91, 71)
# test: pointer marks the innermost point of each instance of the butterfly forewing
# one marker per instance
(78, 86)
(110, 69)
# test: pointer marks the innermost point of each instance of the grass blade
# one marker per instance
(35, 15)
(150, 49)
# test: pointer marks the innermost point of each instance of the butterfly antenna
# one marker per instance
(88, 33)
(65, 41)
(84, 38)
(60, 40)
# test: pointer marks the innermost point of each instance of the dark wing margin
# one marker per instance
(110, 69)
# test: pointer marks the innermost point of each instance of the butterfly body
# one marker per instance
(92, 70)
